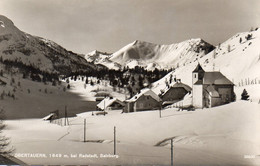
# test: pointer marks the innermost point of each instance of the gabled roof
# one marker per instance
(198, 68)
(107, 102)
(216, 78)
(179, 85)
(145, 92)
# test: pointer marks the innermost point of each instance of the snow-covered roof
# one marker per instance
(48, 117)
(145, 92)
(178, 85)
(107, 102)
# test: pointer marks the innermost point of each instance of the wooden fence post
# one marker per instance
(114, 140)
(171, 152)
(84, 130)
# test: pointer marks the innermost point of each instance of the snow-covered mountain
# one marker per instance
(238, 59)
(20, 48)
(152, 56)
(98, 57)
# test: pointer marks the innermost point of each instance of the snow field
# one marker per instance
(210, 133)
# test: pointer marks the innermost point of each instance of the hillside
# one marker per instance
(23, 98)
(22, 50)
(30, 67)
(151, 56)
(238, 59)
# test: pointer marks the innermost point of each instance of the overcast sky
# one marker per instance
(108, 25)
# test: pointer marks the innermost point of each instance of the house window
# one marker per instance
(194, 75)
(147, 97)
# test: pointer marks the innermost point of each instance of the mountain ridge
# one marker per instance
(23, 49)
(238, 58)
(151, 56)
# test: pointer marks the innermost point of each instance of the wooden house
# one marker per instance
(110, 103)
(145, 100)
(175, 93)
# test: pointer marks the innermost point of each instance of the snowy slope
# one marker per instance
(215, 136)
(150, 56)
(36, 99)
(88, 92)
(45, 55)
(239, 62)
(98, 57)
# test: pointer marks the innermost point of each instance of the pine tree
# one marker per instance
(140, 82)
(91, 83)
(130, 90)
(244, 95)
(54, 83)
(86, 80)
(5, 150)
(249, 37)
(167, 83)
(170, 78)
(75, 78)
(44, 80)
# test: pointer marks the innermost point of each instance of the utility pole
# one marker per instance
(84, 130)
(171, 152)
(104, 106)
(114, 140)
(160, 110)
(66, 117)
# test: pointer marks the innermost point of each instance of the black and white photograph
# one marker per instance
(130, 82)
